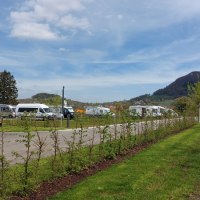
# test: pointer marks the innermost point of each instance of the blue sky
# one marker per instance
(100, 50)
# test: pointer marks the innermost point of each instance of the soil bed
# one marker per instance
(50, 188)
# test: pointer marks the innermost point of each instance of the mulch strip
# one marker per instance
(50, 188)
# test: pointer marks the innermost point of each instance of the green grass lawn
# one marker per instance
(169, 169)
(16, 125)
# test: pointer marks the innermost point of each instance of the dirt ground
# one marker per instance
(50, 188)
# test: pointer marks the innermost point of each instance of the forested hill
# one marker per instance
(174, 90)
(179, 87)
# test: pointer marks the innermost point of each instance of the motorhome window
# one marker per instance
(55, 109)
(144, 110)
(154, 110)
(47, 110)
(41, 110)
(107, 111)
(6, 109)
(134, 110)
(65, 110)
(27, 109)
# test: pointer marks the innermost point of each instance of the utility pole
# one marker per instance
(63, 96)
(68, 116)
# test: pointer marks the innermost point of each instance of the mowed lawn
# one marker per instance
(169, 169)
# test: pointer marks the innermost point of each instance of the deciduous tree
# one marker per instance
(8, 89)
(194, 95)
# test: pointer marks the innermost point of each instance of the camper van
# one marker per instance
(68, 111)
(144, 111)
(7, 110)
(39, 111)
(97, 110)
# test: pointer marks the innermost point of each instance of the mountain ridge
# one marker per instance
(179, 87)
(174, 90)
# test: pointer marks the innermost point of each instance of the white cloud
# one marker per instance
(34, 31)
(22, 17)
(69, 21)
(60, 5)
(46, 16)
(120, 20)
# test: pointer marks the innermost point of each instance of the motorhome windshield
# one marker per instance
(163, 111)
(70, 109)
(47, 110)
(107, 111)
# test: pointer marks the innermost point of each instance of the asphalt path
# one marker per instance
(12, 144)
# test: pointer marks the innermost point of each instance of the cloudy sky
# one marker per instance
(100, 50)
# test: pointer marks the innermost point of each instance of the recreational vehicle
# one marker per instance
(143, 111)
(7, 110)
(68, 111)
(39, 111)
(97, 111)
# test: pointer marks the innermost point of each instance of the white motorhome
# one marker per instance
(143, 111)
(39, 111)
(7, 110)
(97, 110)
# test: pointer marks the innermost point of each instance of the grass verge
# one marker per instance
(169, 169)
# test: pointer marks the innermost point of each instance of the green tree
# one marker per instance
(181, 104)
(8, 89)
(194, 95)
(54, 101)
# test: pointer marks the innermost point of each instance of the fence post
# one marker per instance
(199, 113)
(68, 120)
(1, 121)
